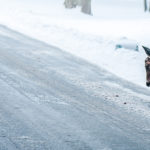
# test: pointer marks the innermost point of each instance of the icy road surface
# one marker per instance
(51, 100)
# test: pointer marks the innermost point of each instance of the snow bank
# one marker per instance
(90, 37)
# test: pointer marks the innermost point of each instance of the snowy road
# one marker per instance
(51, 100)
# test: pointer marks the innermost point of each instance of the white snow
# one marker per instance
(90, 37)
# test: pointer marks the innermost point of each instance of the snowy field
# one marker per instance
(51, 100)
(90, 37)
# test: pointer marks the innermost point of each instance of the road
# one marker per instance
(51, 100)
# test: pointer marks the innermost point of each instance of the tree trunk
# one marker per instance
(70, 3)
(145, 5)
(86, 6)
(79, 2)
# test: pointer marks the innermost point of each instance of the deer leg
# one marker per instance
(148, 78)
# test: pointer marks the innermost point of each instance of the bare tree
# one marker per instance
(85, 5)
(145, 5)
(70, 3)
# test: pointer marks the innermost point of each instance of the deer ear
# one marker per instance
(147, 50)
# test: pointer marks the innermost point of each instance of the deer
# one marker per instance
(147, 65)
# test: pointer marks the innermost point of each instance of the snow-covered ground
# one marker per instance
(90, 37)
(51, 100)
